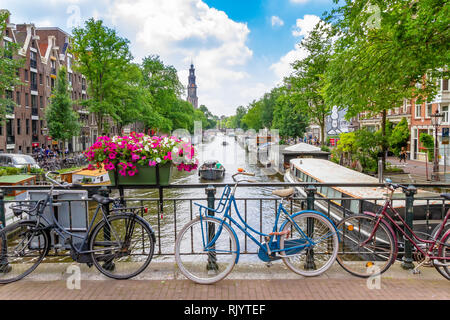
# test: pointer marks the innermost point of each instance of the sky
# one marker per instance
(240, 49)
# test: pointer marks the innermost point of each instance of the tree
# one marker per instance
(307, 80)
(9, 64)
(290, 121)
(412, 36)
(380, 60)
(62, 120)
(103, 58)
(428, 142)
(252, 119)
(399, 137)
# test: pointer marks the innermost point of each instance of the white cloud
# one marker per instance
(183, 30)
(276, 21)
(303, 27)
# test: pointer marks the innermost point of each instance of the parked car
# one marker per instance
(17, 160)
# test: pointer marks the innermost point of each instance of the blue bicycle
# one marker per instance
(207, 248)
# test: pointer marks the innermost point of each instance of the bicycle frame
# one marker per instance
(62, 232)
(273, 237)
(427, 253)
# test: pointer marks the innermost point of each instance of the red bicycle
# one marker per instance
(368, 244)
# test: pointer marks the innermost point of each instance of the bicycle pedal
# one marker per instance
(416, 271)
(269, 264)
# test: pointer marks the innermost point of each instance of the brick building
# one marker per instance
(419, 120)
(45, 51)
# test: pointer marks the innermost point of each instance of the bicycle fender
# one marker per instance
(238, 249)
(315, 212)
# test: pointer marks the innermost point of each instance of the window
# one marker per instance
(33, 102)
(25, 74)
(48, 81)
(18, 126)
(444, 84)
(18, 98)
(418, 110)
(27, 126)
(41, 79)
(428, 110)
(27, 101)
(445, 114)
(41, 101)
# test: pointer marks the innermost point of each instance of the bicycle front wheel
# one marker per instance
(311, 246)
(23, 247)
(364, 252)
(206, 250)
(122, 246)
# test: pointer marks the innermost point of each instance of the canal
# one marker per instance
(179, 208)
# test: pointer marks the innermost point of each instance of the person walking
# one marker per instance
(403, 155)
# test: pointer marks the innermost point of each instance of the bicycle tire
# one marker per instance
(371, 259)
(196, 263)
(126, 260)
(313, 260)
(444, 251)
(22, 249)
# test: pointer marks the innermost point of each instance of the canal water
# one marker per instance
(256, 205)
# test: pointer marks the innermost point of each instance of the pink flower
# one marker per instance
(123, 172)
(169, 156)
(110, 166)
(152, 163)
(132, 173)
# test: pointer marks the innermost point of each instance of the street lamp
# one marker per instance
(436, 121)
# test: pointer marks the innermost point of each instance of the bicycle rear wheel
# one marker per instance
(22, 249)
(359, 256)
(314, 259)
(200, 259)
(444, 252)
(122, 247)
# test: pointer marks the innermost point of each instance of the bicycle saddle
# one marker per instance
(284, 193)
(101, 199)
(446, 196)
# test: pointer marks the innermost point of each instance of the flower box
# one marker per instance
(134, 158)
(146, 176)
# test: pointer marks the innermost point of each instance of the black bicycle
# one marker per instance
(120, 245)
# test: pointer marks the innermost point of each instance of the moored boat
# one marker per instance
(211, 170)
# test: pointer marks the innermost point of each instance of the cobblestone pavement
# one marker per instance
(262, 289)
(246, 282)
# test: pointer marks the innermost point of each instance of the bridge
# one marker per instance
(251, 279)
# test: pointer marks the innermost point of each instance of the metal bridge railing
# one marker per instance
(259, 212)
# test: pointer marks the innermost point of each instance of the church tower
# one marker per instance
(192, 88)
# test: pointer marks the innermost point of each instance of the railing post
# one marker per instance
(212, 259)
(2, 210)
(103, 191)
(310, 194)
(4, 265)
(409, 217)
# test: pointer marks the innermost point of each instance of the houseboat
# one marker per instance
(340, 201)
